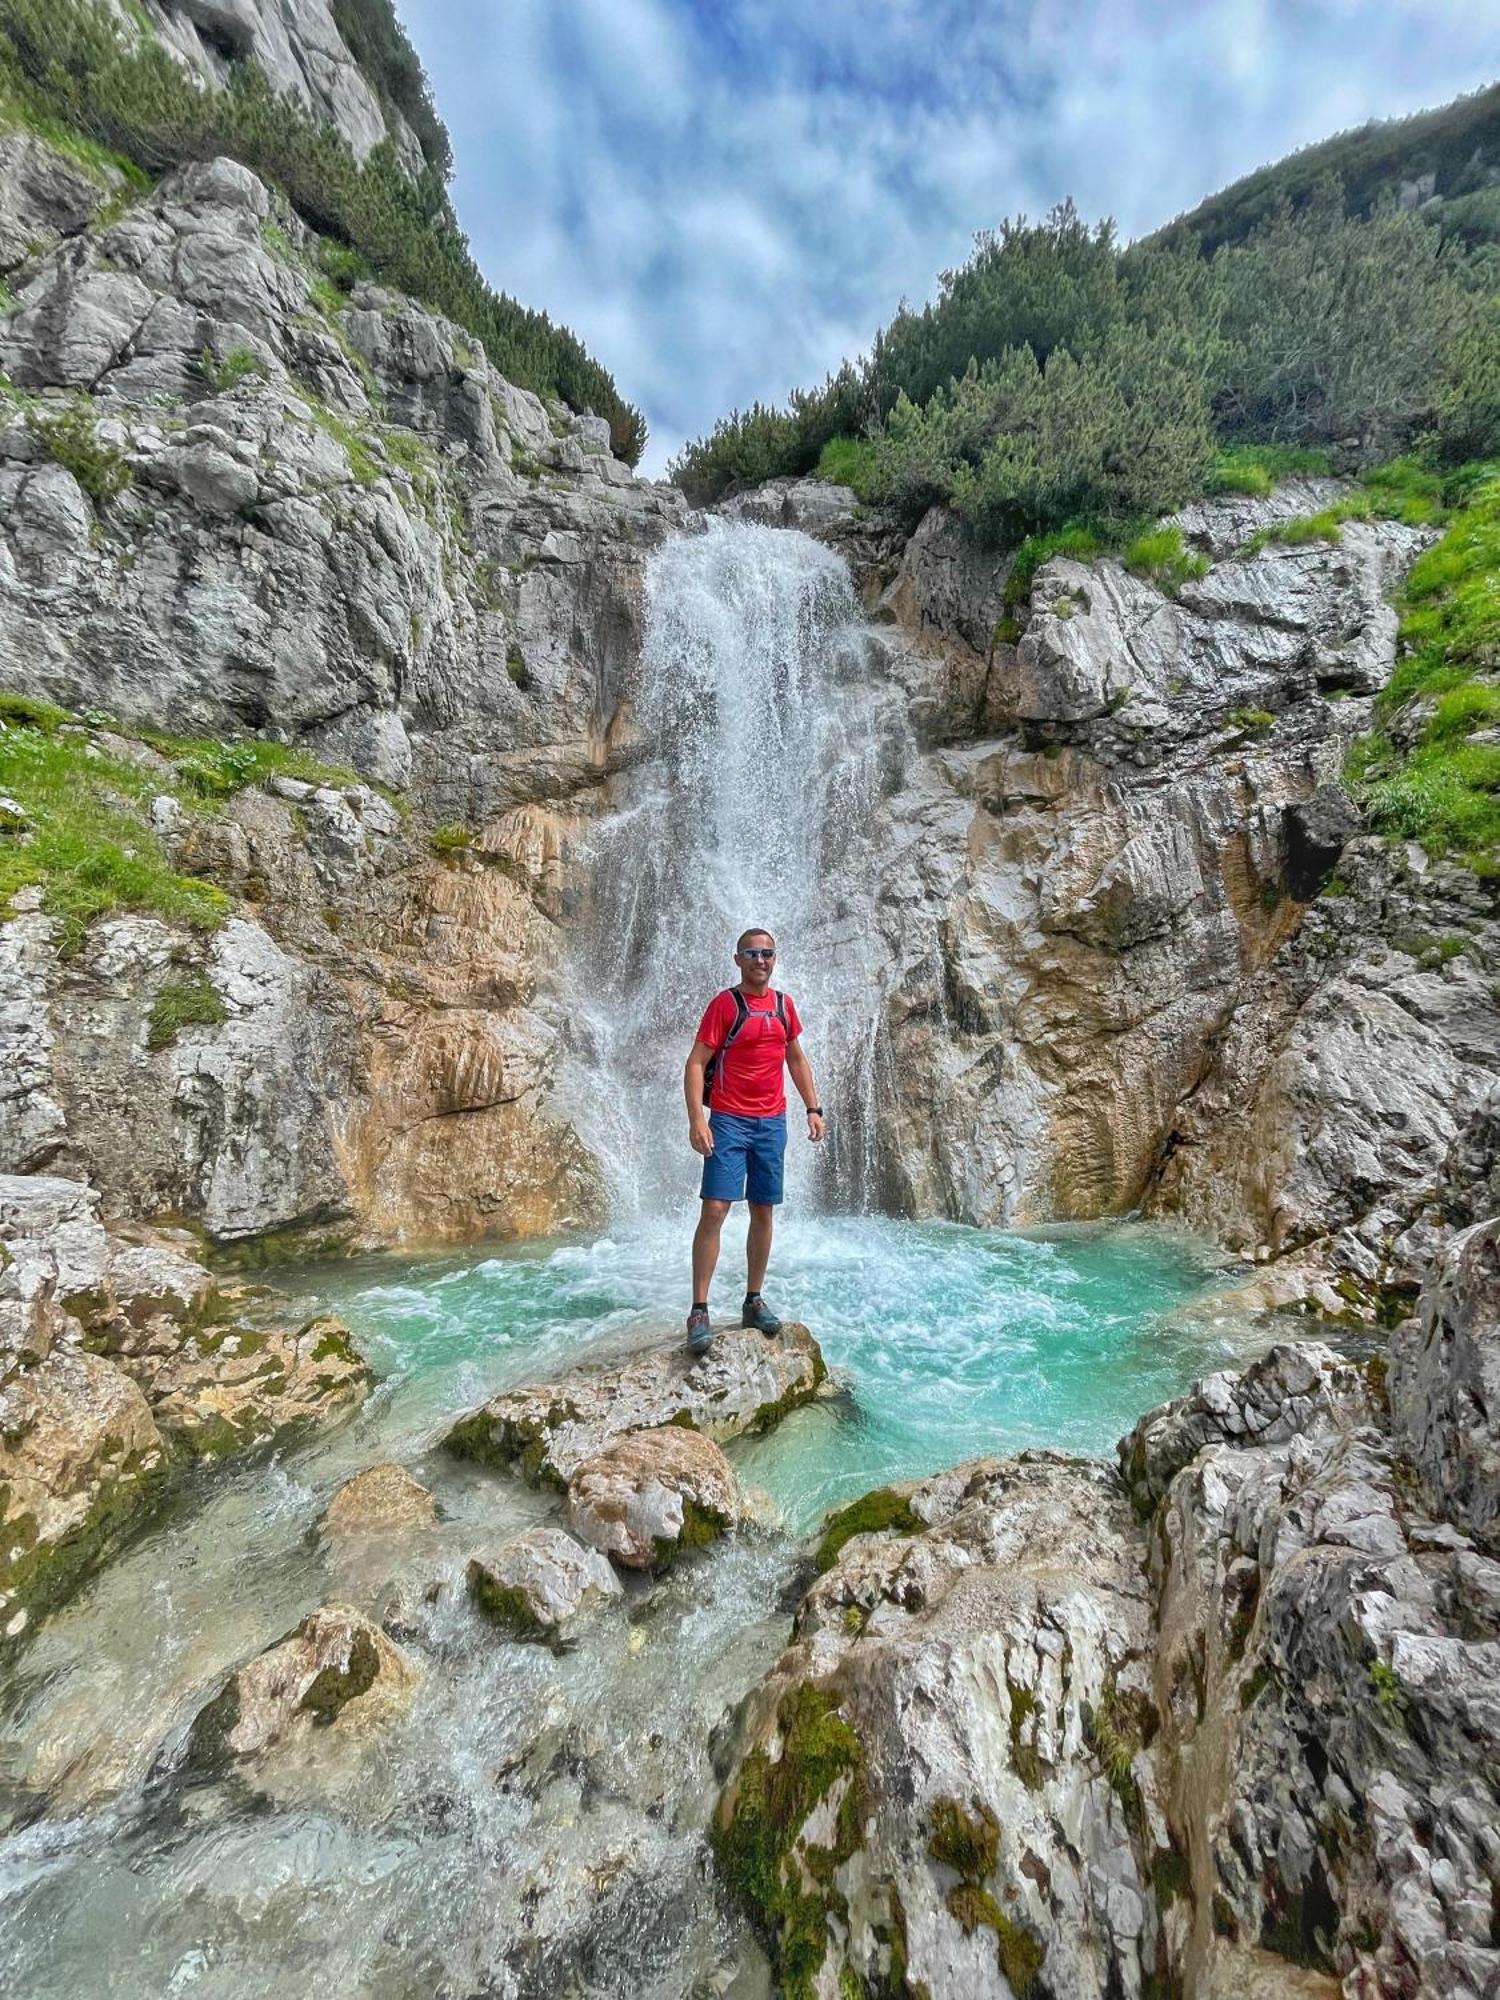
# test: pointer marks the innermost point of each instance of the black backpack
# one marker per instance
(741, 1016)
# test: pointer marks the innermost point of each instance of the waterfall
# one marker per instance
(767, 746)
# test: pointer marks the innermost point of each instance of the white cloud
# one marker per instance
(723, 201)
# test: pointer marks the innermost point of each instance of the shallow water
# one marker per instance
(532, 1824)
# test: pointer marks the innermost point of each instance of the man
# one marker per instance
(736, 1104)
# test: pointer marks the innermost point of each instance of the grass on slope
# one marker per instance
(1431, 770)
(75, 816)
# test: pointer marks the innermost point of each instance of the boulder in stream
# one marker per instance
(381, 1500)
(541, 1584)
(745, 1383)
(652, 1494)
(334, 1668)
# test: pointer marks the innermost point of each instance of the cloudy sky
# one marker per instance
(725, 197)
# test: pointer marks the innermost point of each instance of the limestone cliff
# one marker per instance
(235, 498)
(1140, 952)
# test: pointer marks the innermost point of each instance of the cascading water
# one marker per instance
(768, 749)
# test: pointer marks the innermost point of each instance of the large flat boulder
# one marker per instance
(651, 1495)
(744, 1383)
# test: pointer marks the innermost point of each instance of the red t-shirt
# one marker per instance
(748, 1079)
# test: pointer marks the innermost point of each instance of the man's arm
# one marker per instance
(799, 1069)
(700, 1133)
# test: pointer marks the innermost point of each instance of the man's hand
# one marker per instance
(815, 1126)
(701, 1134)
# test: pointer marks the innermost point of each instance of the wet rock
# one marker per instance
(541, 1585)
(79, 1458)
(233, 1389)
(652, 1494)
(1317, 832)
(382, 1500)
(1445, 1386)
(945, 1780)
(335, 1668)
(745, 1383)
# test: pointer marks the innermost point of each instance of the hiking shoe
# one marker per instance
(700, 1331)
(758, 1313)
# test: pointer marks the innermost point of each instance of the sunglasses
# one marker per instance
(758, 951)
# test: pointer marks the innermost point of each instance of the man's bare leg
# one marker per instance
(706, 1246)
(758, 1244)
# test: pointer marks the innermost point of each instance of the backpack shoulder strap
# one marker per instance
(741, 1014)
(780, 999)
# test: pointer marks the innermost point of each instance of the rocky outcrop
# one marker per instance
(653, 1494)
(541, 1585)
(745, 1383)
(120, 1361)
(334, 1669)
(943, 1784)
(296, 45)
(382, 1500)
(1228, 1725)
(1132, 944)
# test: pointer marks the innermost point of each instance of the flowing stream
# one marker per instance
(534, 1824)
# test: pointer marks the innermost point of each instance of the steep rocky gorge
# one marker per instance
(1223, 1724)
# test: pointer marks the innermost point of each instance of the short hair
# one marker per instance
(755, 931)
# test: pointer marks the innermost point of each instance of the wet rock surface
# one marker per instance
(743, 1384)
(336, 1668)
(382, 1500)
(541, 1585)
(652, 1495)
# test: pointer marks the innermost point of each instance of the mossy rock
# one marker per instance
(883, 1511)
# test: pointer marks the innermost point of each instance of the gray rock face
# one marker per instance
(1445, 1386)
(324, 536)
(652, 1494)
(43, 196)
(299, 48)
(744, 1383)
(949, 1760)
(541, 1585)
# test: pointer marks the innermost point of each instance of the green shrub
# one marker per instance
(222, 376)
(1444, 791)
(183, 1003)
(454, 838)
(67, 60)
(1073, 538)
(341, 265)
(102, 470)
(1253, 721)
(1160, 555)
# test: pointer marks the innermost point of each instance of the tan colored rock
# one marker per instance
(652, 1494)
(79, 1456)
(382, 1500)
(745, 1383)
(541, 1585)
(334, 1668)
(230, 1389)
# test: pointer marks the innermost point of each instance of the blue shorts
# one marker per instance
(746, 1150)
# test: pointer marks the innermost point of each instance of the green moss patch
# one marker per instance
(1161, 555)
(967, 1842)
(756, 1832)
(882, 1512)
(1257, 469)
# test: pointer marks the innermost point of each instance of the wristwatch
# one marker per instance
(815, 1111)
